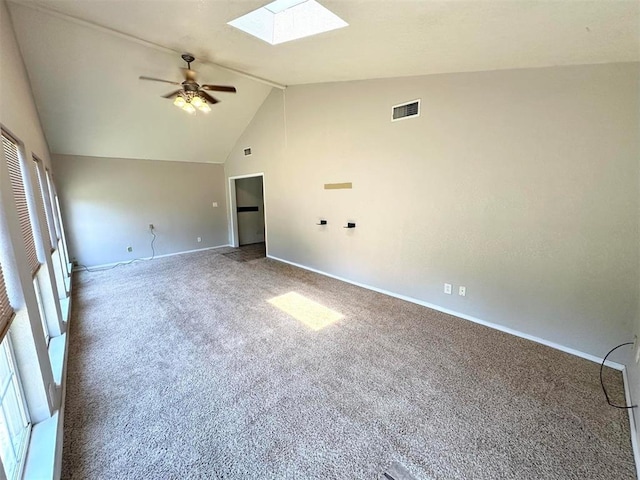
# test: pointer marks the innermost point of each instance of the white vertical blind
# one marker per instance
(17, 184)
(6, 311)
(52, 199)
(43, 196)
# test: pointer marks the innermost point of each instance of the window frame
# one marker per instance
(43, 316)
(19, 454)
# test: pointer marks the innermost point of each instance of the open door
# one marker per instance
(250, 210)
(248, 224)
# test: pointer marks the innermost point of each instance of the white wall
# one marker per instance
(250, 224)
(18, 116)
(107, 205)
(521, 185)
(17, 108)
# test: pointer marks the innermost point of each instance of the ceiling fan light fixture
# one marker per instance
(191, 95)
(190, 109)
(179, 101)
(196, 101)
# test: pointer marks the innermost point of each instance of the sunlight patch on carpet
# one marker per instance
(314, 315)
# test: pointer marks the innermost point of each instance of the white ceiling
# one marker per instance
(91, 102)
(386, 38)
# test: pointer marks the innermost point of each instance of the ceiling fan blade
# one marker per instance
(172, 94)
(159, 80)
(219, 88)
(209, 98)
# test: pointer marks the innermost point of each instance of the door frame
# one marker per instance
(233, 209)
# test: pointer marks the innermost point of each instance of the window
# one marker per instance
(17, 184)
(285, 20)
(27, 221)
(43, 196)
(57, 220)
(14, 421)
(52, 200)
(6, 311)
(43, 318)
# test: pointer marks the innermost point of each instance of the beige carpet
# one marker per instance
(182, 368)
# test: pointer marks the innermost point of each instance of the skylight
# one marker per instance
(285, 20)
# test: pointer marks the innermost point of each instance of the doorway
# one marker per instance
(247, 203)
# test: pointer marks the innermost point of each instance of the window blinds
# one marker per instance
(43, 195)
(17, 185)
(6, 312)
(52, 197)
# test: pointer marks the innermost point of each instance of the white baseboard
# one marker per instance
(632, 422)
(496, 326)
(188, 251)
(157, 256)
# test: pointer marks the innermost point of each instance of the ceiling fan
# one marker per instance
(191, 95)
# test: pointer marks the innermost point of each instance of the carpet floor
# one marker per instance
(181, 368)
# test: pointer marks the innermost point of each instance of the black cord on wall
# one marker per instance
(103, 269)
(602, 382)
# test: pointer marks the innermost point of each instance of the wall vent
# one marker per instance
(247, 151)
(405, 110)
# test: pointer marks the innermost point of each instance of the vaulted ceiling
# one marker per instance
(84, 60)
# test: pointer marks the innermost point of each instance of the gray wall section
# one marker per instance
(521, 185)
(250, 224)
(108, 204)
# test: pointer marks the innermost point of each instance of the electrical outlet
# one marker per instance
(462, 291)
(129, 249)
(215, 204)
(199, 239)
(447, 288)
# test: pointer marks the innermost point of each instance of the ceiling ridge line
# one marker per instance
(141, 41)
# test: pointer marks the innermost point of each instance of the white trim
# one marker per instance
(234, 240)
(157, 256)
(249, 175)
(496, 326)
(25, 445)
(632, 422)
(188, 251)
(233, 214)
(419, 100)
(264, 214)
